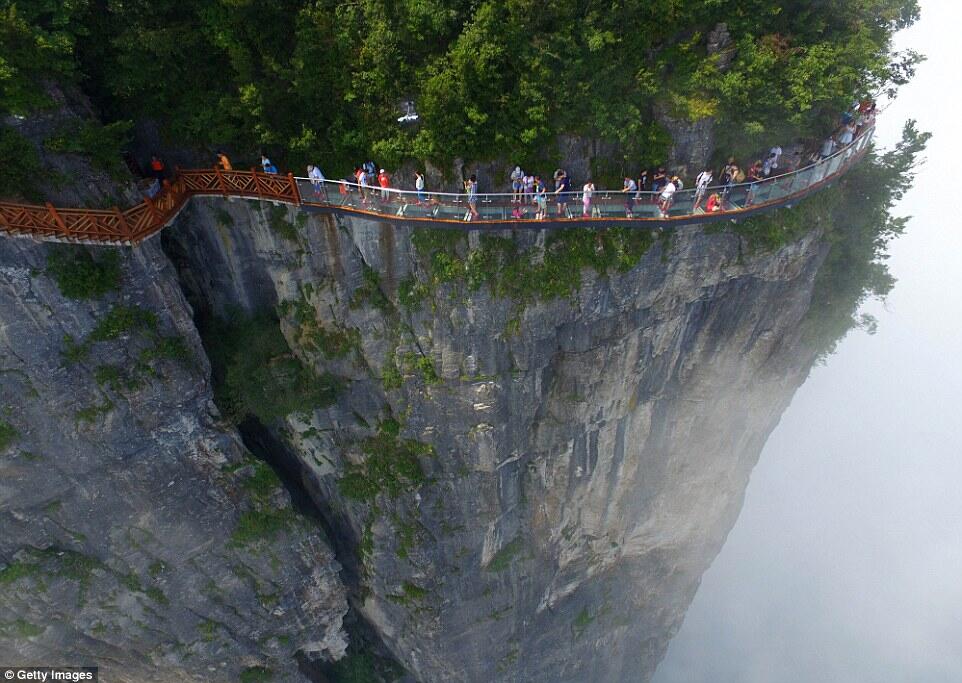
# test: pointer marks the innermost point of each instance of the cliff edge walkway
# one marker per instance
(44, 222)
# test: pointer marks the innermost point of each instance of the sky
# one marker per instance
(846, 561)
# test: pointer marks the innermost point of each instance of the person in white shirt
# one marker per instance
(847, 135)
(701, 187)
(667, 194)
(586, 192)
(419, 186)
(630, 188)
(775, 153)
(528, 187)
(317, 178)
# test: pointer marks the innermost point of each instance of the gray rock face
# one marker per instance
(587, 455)
(138, 532)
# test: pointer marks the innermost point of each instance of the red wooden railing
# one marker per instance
(134, 225)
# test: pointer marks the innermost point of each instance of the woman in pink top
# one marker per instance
(586, 192)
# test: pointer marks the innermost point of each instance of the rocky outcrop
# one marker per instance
(519, 490)
(139, 534)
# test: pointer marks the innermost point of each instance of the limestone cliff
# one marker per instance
(519, 488)
(139, 534)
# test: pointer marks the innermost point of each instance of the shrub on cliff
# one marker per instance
(255, 372)
(80, 276)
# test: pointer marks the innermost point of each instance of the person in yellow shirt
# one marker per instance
(224, 162)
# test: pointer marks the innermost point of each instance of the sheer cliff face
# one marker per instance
(580, 460)
(138, 532)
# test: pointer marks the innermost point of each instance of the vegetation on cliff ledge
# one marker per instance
(256, 373)
(323, 79)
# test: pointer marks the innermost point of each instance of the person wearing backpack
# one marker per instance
(701, 188)
(517, 178)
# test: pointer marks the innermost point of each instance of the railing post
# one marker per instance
(220, 181)
(128, 233)
(57, 219)
(294, 190)
(257, 185)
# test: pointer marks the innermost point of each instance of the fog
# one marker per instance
(846, 561)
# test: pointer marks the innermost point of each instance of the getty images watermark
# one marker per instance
(48, 673)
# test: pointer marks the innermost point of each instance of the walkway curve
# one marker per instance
(134, 225)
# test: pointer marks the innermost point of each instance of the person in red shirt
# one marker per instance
(384, 180)
(157, 168)
(714, 203)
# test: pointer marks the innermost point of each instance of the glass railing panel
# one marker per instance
(735, 197)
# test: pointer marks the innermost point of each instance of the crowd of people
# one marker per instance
(712, 192)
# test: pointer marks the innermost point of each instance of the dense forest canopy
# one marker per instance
(323, 79)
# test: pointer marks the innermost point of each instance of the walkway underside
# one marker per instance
(492, 211)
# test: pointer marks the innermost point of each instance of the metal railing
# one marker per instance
(502, 207)
(491, 210)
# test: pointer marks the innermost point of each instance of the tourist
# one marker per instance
(754, 177)
(586, 193)
(317, 180)
(714, 203)
(828, 148)
(419, 186)
(847, 136)
(528, 186)
(666, 197)
(677, 182)
(701, 187)
(157, 168)
(642, 184)
(767, 166)
(659, 181)
(344, 188)
(729, 176)
(368, 181)
(562, 186)
(774, 155)
(630, 189)
(224, 162)
(471, 187)
(384, 180)
(540, 198)
(517, 183)
(360, 176)
(866, 117)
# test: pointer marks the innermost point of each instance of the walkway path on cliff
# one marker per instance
(134, 225)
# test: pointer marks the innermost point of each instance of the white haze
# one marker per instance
(846, 562)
